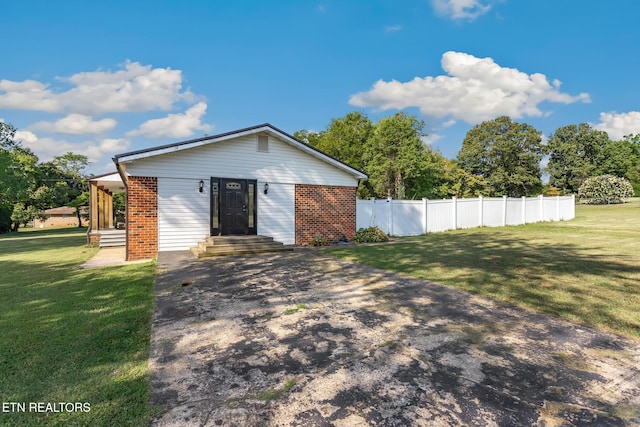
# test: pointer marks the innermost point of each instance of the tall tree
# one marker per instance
(309, 137)
(345, 139)
(506, 154)
(395, 157)
(28, 187)
(18, 183)
(65, 174)
(622, 159)
(576, 152)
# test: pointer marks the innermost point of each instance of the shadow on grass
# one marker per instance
(72, 335)
(21, 242)
(563, 279)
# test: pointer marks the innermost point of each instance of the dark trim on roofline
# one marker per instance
(220, 135)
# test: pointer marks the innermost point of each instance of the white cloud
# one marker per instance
(26, 137)
(107, 146)
(461, 9)
(136, 87)
(76, 124)
(175, 125)
(27, 95)
(431, 138)
(618, 125)
(47, 148)
(475, 89)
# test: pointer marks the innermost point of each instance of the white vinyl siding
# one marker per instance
(238, 158)
(276, 212)
(183, 213)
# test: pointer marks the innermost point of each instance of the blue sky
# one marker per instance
(101, 78)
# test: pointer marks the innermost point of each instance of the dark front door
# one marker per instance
(234, 207)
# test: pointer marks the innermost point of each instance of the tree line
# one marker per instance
(498, 157)
(28, 186)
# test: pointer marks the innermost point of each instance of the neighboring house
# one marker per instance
(259, 180)
(64, 216)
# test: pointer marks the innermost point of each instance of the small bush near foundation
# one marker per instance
(319, 241)
(605, 189)
(370, 235)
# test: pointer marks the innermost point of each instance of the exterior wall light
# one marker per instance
(266, 187)
(201, 186)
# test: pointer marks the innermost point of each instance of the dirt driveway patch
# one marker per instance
(303, 339)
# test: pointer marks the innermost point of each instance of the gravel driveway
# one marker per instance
(303, 339)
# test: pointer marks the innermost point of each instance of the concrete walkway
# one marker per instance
(303, 339)
(110, 256)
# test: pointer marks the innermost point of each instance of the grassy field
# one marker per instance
(586, 270)
(72, 335)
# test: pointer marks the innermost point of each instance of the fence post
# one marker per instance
(573, 206)
(504, 210)
(524, 209)
(557, 208)
(481, 212)
(373, 221)
(425, 203)
(389, 216)
(454, 208)
(541, 197)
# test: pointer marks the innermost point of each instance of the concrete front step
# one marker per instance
(238, 240)
(237, 245)
(112, 238)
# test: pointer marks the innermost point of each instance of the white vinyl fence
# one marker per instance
(414, 217)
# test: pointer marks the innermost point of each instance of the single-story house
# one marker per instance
(63, 216)
(253, 181)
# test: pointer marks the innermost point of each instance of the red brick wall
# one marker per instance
(325, 211)
(94, 239)
(142, 217)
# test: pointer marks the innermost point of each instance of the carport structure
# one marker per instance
(101, 216)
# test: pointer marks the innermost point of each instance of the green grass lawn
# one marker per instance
(586, 270)
(72, 335)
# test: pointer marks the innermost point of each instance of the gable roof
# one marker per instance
(263, 128)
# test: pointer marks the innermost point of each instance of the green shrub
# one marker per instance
(370, 235)
(319, 241)
(605, 189)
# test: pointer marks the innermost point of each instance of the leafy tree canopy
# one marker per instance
(576, 152)
(506, 154)
(395, 156)
(28, 187)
